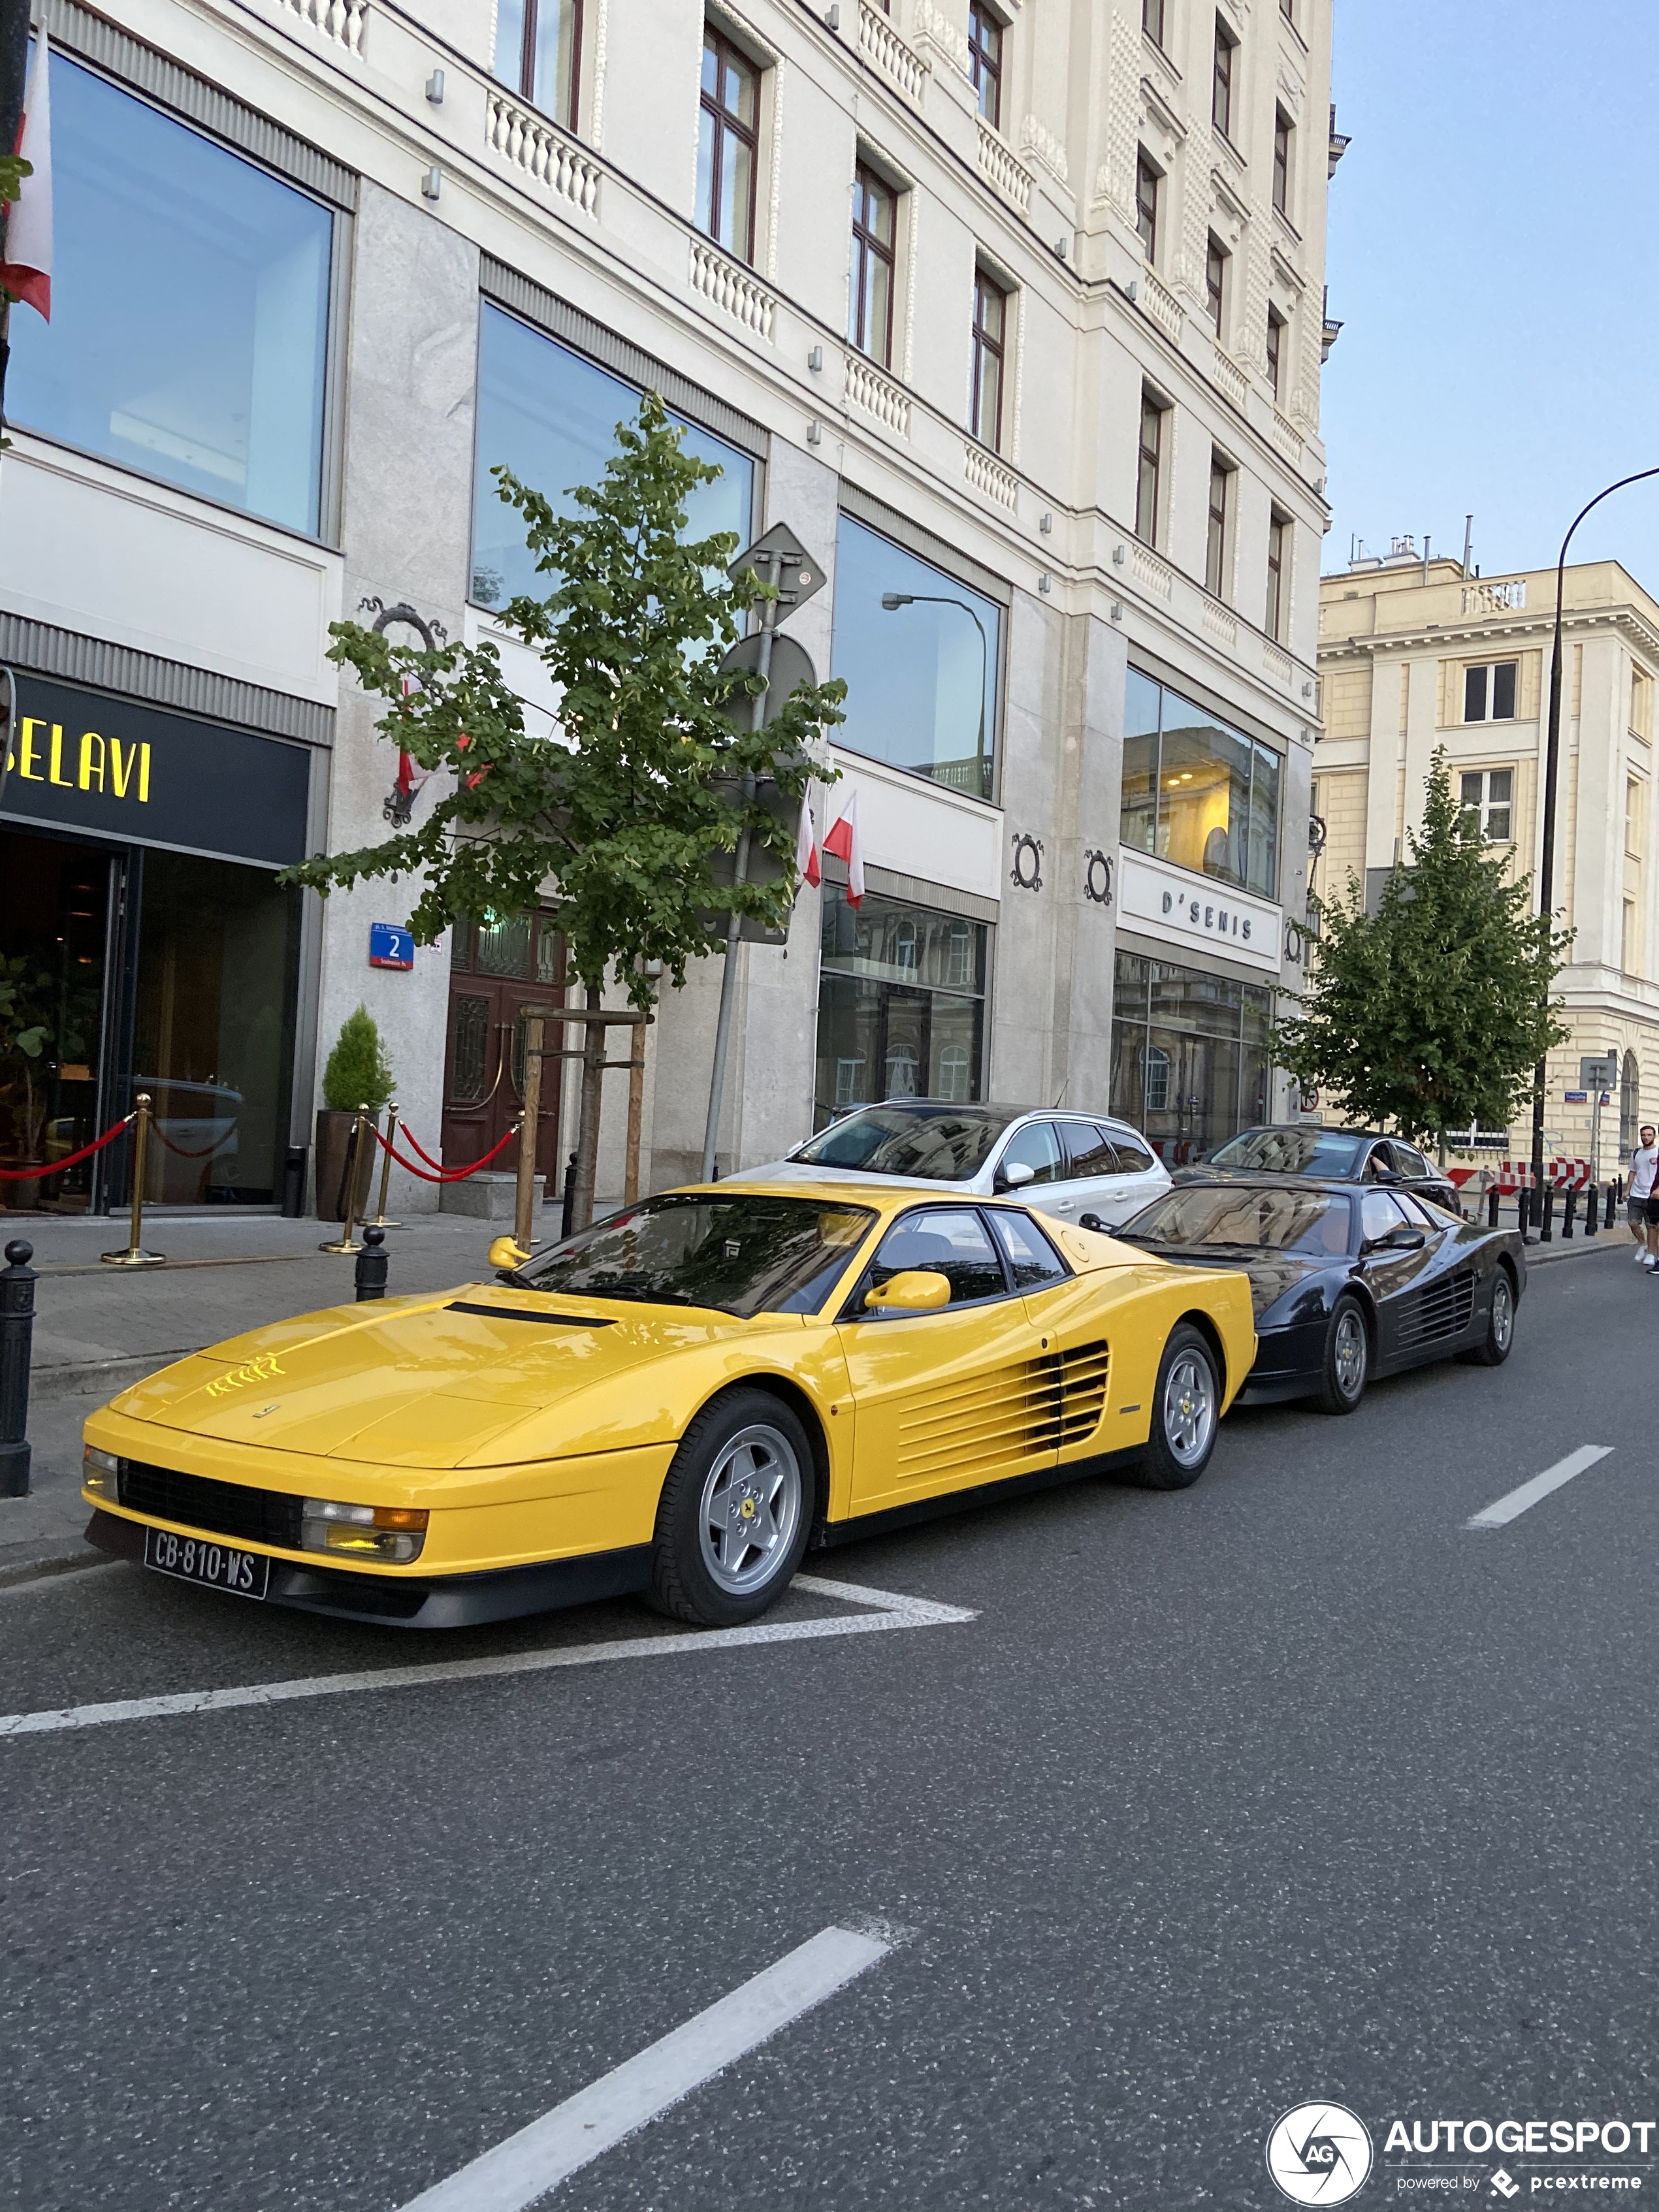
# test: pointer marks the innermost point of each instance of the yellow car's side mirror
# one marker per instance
(504, 1252)
(916, 1290)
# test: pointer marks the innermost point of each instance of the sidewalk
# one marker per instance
(98, 1328)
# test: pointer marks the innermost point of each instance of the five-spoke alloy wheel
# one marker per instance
(1185, 1408)
(1347, 1365)
(735, 1512)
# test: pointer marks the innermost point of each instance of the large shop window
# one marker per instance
(920, 654)
(190, 309)
(551, 417)
(1190, 1055)
(901, 1004)
(1196, 792)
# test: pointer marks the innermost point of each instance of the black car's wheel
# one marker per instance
(1493, 1348)
(735, 1512)
(1185, 1408)
(1348, 1363)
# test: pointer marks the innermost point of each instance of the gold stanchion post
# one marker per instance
(135, 1256)
(380, 1221)
(345, 1241)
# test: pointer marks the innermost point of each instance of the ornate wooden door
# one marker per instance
(496, 969)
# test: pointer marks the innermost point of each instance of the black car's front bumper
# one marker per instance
(1289, 1363)
(440, 1602)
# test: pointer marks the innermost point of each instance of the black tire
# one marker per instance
(701, 1567)
(1493, 1348)
(1178, 1450)
(1346, 1365)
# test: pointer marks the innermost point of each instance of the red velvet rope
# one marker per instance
(57, 1167)
(404, 1130)
(179, 1152)
(445, 1175)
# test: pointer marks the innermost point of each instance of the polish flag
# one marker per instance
(25, 273)
(846, 844)
(806, 846)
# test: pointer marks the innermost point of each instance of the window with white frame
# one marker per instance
(1148, 179)
(1221, 520)
(1487, 797)
(1489, 691)
(1216, 259)
(1279, 574)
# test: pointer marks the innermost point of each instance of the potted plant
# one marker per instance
(356, 1074)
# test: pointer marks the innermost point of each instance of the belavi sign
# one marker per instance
(114, 768)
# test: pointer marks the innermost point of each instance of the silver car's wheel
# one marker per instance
(751, 1504)
(1503, 1313)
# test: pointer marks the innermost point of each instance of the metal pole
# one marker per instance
(345, 1241)
(739, 874)
(635, 1120)
(524, 1209)
(135, 1256)
(1552, 759)
(16, 1329)
(380, 1221)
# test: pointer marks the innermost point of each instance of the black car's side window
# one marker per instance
(948, 1241)
(1379, 1165)
(1417, 1210)
(1032, 1261)
(1380, 1215)
(1410, 1162)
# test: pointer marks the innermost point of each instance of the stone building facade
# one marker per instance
(1414, 656)
(1011, 309)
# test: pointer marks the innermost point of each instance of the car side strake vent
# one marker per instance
(1077, 1383)
(1441, 1310)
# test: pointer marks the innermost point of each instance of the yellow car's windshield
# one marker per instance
(742, 1254)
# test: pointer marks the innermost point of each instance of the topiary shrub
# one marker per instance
(357, 1073)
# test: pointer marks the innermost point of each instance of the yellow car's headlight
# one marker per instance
(101, 1474)
(394, 1533)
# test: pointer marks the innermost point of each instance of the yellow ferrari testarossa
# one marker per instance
(678, 1401)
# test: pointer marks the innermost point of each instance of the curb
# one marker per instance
(52, 1564)
(88, 1378)
(1541, 1256)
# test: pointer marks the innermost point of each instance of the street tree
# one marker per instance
(625, 810)
(1433, 1013)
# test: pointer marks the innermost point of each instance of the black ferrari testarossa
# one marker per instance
(1348, 1284)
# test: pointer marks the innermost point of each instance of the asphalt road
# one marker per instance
(1287, 1787)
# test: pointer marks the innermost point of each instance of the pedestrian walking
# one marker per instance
(1642, 1206)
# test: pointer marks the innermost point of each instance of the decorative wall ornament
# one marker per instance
(1026, 874)
(1098, 877)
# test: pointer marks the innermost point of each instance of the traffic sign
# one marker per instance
(1599, 1071)
(791, 667)
(798, 576)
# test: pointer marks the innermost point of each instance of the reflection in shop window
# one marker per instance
(922, 675)
(551, 417)
(190, 311)
(1158, 1080)
(1190, 1055)
(901, 1004)
(1197, 793)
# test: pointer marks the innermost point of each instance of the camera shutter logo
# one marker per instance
(1319, 2154)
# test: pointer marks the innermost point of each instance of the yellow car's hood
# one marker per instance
(475, 1376)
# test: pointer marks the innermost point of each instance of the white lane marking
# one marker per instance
(897, 1611)
(539, 2157)
(1504, 1509)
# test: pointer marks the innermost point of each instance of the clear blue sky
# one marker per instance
(1494, 260)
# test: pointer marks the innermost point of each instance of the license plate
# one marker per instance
(199, 1559)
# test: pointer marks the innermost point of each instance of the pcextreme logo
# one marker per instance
(1319, 2154)
(237, 1378)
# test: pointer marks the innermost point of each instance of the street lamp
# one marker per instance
(892, 601)
(1552, 755)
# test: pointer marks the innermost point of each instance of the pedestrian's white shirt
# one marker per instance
(1643, 1166)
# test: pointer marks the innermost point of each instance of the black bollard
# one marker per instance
(1610, 1206)
(568, 1214)
(17, 1282)
(1546, 1234)
(371, 1265)
(1592, 1211)
(1492, 1196)
(1569, 1214)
